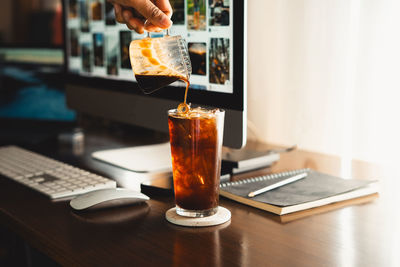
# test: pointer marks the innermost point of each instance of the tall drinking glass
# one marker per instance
(196, 144)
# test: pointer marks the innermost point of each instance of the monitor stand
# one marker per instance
(142, 159)
(147, 164)
(155, 160)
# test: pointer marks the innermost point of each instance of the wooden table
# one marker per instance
(358, 235)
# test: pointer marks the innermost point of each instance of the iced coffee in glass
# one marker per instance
(196, 143)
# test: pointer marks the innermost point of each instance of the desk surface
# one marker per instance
(358, 235)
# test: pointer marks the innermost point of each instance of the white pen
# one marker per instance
(278, 184)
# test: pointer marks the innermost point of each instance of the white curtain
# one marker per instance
(325, 74)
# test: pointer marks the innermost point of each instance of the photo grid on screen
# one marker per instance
(98, 46)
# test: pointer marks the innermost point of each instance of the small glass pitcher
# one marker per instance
(158, 62)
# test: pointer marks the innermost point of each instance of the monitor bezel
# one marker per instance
(233, 100)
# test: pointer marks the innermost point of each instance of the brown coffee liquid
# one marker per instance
(150, 83)
(195, 171)
(186, 91)
(183, 107)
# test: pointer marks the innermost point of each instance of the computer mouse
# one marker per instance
(106, 198)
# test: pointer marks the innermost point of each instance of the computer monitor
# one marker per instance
(30, 87)
(100, 80)
(31, 63)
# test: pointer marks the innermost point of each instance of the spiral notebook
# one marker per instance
(317, 189)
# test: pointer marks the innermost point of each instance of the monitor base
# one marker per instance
(152, 164)
(142, 159)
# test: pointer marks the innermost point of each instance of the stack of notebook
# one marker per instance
(317, 189)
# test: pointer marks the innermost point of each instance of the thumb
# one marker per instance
(153, 14)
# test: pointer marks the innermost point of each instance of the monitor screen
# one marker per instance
(97, 57)
(30, 92)
(31, 62)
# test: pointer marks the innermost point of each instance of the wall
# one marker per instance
(325, 75)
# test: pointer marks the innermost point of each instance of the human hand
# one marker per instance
(140, 15)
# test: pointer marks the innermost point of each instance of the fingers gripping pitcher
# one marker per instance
(158, 62)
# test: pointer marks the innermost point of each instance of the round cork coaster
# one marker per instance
(223, 215)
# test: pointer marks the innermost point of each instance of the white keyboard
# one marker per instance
(48, 176)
